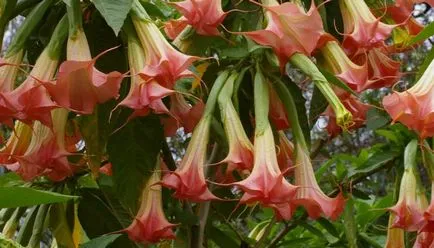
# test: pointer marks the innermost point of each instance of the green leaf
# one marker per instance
(427, 32)
(8, 243)
(427, 61)
(101, 242)
(10, 179)
(114, 12)
(376, 119)
(334, 80)
(133, 152)
(220, 238)
(12, 197)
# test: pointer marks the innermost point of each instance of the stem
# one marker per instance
(38, 227)
(213, 95)
(57, 39)
(138, 11)
(350, 224)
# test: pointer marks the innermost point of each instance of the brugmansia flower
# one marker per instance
(266, 184)
(188, 180)
(182, 114)
(424, 240)
(240, 155)
(395, 236)
(357, 108)
(9, 70)
(289, 30)
(383, 71)
(429, 214)
(411, 205)
(162, 62)
(144, 96)
(310, 194)
(150, 225)
(205, 16)
(401, 12)
(362, 30)
(285, 152)
(79, 86)
(335, 59)
(30, 101)
(414, 107)
(17, 143)
(46, 154)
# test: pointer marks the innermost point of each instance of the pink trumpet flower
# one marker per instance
(150, 225)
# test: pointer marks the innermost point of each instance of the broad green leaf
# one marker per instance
(376, 119)
(114, 12)
(328, 226)
(220, 238)
(10, 179)
(101, 242)
(11, 197)
(133, 152)
(427, 32)
(367, 214)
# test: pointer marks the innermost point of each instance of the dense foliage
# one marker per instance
(216, 123)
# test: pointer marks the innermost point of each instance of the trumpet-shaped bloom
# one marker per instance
(395, 236)
(266, 184)
(285, 152)
(188, 180)
(429, 215)
(412, 202)
(17, 143)
(362, 30)
(357, 108)
(162, 62)
(9, 70)
(424, 240)
(173, 28)
(79, 86)
(30, 101)
(240, 155)
(150, 225)
(414, 107)
(182, 114)
(383, 71)
(310, 194)
(205, 16)
(335, 59)
(290, 29)
(46, 154)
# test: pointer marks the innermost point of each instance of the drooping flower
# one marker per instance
(182, 114)
(205, 16)
(240, 155)
(357, 108)
(424, 240)
(144, 96)
(411, 203)
(174, 27)
(46, 154)
(79, 86)
(277, 114)
(395, 236)
(188, 180)
(162, 62)
(383, 71)
(285, 152)
(310, 195)
(150, 224)
(335, 59)
(16, 144)
(289, 30)
(429, 214)
(266, 184)
(30, 101)
(9, 70)
(362, 30)
(414, 107)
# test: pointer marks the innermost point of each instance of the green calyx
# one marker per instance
(343, 117)
(138, 11)
(261, 98)
(213, 95)
(31, 21)
(58, 38)
(74, 17)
